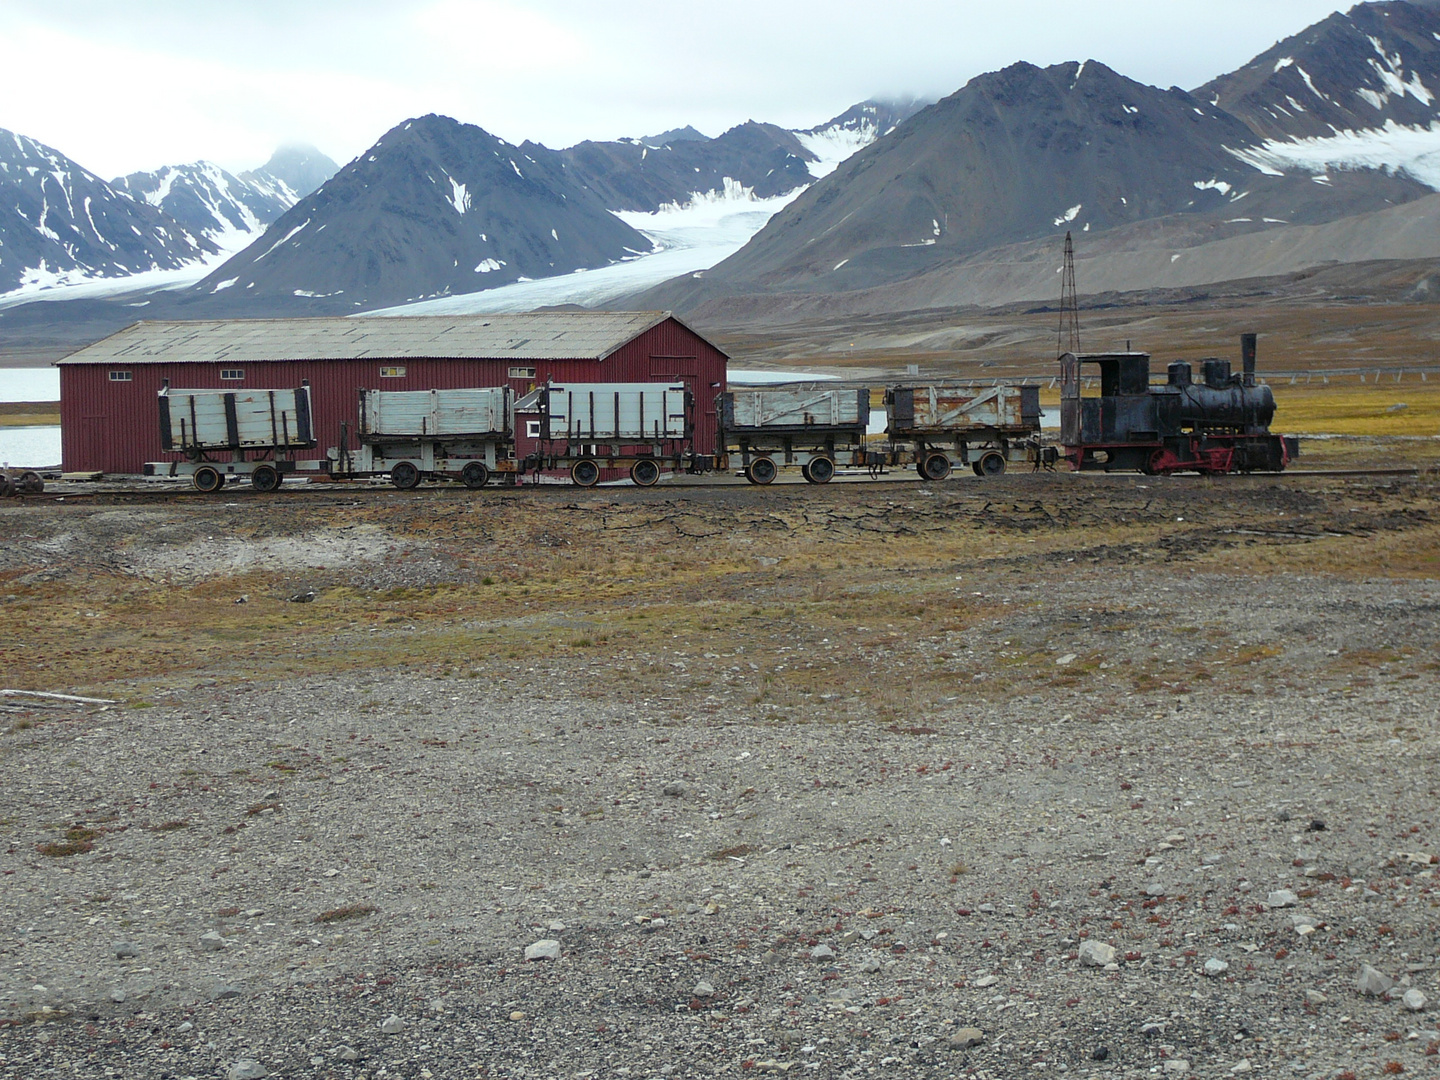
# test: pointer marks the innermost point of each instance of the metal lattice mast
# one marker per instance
(1069, 338)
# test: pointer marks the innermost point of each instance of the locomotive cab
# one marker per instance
(1116, 428)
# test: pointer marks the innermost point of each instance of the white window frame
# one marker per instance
(120, 376)
(392, 373)
(522, 373)
(232, 374)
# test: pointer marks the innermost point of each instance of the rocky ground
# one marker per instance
(1040, 775)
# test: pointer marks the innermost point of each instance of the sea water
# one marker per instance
(30, 447)
(29, 384)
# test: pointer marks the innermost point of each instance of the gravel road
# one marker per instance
(1176, 850)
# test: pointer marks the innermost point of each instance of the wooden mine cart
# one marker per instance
(762, 431)
(937, 428)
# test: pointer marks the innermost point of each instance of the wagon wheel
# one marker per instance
(992, 463)
(585, 473)
(819, 470)
(265, 478)
(30, 483)
(934, 466)
(645, 472)
(761, 471)
(404, 475)
(475, 475)
(1160, 463)
(207, 478)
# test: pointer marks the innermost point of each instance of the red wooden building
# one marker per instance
(110, 419)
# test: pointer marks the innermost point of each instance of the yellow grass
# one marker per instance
(30, 419)
(1348, 407)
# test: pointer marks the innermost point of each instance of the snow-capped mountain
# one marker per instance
(762, 161)
(435, 207)
(1376, 64)
(438, 208)
(61, 223)
(853, 130)
(1026, 154)
(230, 211)
(1359, 90)
(1014, 154)
(208, 201)
(638, 174)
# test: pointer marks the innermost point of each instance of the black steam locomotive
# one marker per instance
(1219, 425)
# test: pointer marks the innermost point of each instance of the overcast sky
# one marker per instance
(121, 86)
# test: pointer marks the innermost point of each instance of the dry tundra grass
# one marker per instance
(859, 597)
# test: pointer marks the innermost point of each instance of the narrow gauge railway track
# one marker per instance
(148, 492)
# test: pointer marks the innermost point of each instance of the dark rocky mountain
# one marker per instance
(59, 222)
(674, 135)
(434, 207)
(641, 175)
(1360, 69)
(1024, 155)
(1016, 154)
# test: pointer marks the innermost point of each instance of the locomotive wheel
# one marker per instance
(475, 475)
(5, 484)
(265, 478)
(991, 463)
(405, 476)
(934, 467)
(207, 478)
(818, 470)
(645, 472)
(585, 473)
(30, 483)
(761, 471)
(975, 468)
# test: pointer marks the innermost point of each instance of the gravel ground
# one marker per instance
(339, 875)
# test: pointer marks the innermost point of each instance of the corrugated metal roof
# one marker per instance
(559, 335)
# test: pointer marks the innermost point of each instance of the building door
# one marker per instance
(92, 446)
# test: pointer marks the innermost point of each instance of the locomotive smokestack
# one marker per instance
(1247, 359)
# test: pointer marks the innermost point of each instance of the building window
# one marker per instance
(119, 376)
(522, 373)
(231, 374)
(532, 429)
(392, 372)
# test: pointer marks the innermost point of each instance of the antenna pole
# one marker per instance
(1069, 338)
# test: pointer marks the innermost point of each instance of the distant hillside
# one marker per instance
(1020, 154)
(207, 201)
(1373, 65)
(1024, 155)
(434, 207)
(643, 175)
(293, 172)
(229, 210)
(853, 130)
(59, 222)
